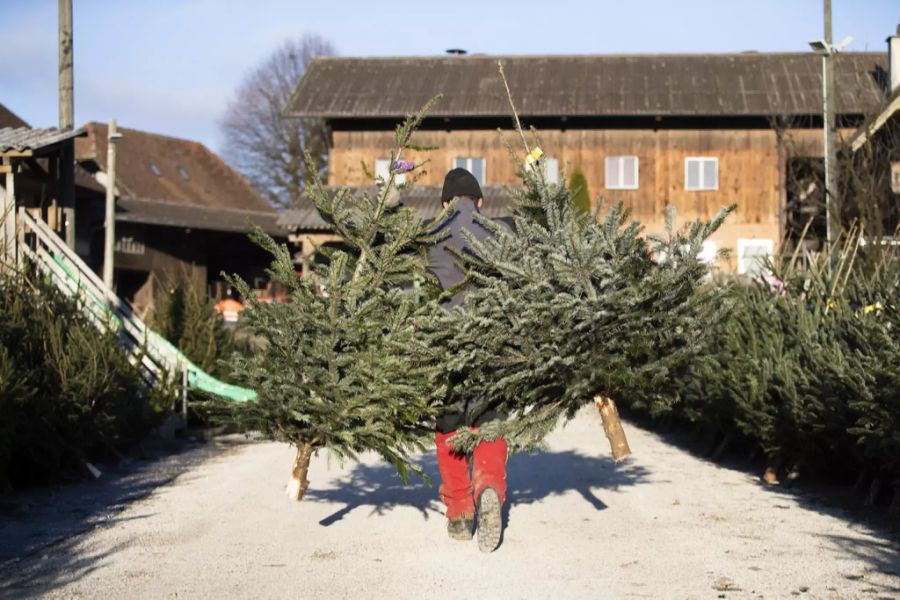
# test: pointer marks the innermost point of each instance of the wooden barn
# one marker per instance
(34, 174)
(181, 213)
(694, 131)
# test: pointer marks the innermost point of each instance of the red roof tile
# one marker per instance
(150, 166)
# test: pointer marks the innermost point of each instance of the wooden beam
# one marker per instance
(16, 153)
(8, 213)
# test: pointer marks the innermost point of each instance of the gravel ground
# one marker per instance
(662, 524)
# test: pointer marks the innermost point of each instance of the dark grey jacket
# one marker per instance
(443, 263)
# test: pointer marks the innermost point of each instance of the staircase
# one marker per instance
(159, 360)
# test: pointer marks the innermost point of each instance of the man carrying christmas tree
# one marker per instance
(487, 485)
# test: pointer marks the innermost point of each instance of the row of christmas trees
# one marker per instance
(805, 367)
(68, 394)
(565, 307)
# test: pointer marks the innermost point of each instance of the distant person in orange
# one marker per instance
(229, 308)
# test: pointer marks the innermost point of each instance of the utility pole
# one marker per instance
(109, 240)
(66, 185)
(832, 216)
(66, 67)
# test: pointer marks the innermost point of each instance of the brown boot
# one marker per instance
(461, 527)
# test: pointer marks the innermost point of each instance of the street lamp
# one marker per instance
(823, 47)
(828, 50)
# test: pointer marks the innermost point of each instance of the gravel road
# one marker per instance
(662, 524)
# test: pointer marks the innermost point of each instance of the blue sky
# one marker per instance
(169, 66)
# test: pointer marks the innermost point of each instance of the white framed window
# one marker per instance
(473, 164)
(551, 169)
(701, 173)
(622, 172)
(709, 252)
(752, 255)
(383, 170)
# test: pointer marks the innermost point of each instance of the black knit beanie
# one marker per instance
(460, 182)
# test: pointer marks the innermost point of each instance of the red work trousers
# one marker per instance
(459, 491)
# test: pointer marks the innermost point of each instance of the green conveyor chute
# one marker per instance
(158, 347)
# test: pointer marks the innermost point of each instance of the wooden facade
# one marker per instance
(751, 168)
(749, 116)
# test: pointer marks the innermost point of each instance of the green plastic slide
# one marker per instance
(158, 347)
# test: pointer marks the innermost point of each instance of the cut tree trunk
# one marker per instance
(612, 426)
(720, 450)
(894, 508)
(874, 492)
(770, 475)
(298, 482)
(754, 454)
(709, 441)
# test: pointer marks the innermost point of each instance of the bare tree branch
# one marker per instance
(260, 142)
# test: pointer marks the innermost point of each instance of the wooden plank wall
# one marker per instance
(750, 167)
(169, 253)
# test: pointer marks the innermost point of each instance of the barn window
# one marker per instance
(383, 170)
(551, 169)
(709, 252)
(752, 255)
(621, 172)
(474, 165)
(155, 170)
(184, 174)
(701, 173)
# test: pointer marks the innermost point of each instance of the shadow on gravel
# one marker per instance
(530, 478)
(882, 556)
(39, 528)
(837, 501)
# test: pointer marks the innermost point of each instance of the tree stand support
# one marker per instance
(612, 426)
(298, 482)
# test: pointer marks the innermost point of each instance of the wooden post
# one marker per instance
(832, 216)
(612, 426)
(109, 240)
(67, 121)
(20, 236)
(184, 395)
(8, 214)
(66, 67)
(298, 482)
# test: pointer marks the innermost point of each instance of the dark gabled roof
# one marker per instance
(26, 139)
(424, 199)
(171, 170)
(10, 119)
(156, 212)
(750, 84)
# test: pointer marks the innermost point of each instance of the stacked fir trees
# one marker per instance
(338, 369)
(568, 307)
(564, 307)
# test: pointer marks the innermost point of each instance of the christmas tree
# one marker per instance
(805, 366)
(578, 186)
(569, 306)
(338, 369)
